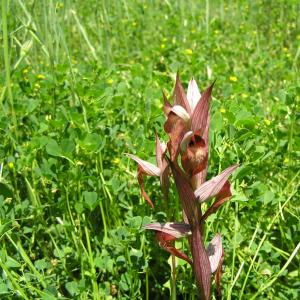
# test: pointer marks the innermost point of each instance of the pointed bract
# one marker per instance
(201, 264)
(167, 105)
(163, 166)
(193, 94)
(147, 167)
(175, 127)
(221, 198)
(179, 95)
(186, 193)
(215, 251)
(211, 188)
(200, 114)
(160, 151)
(177, 230)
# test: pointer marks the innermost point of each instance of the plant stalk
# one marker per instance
(173, 278)
(7, 62)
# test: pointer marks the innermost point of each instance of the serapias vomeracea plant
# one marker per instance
(185, 156)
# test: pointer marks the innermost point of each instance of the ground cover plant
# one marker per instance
(81, 84)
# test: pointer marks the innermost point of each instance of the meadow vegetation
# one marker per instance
(81, 84)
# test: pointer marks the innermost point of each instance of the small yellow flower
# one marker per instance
(54, 262)
(11, 165)
(25, 71)
(267, 122)
(188, 51)
(222, 110)
(244, 95)
(162, 46)
(37, 86)
(233, 78)
(41, 76)
(110, 81)
(116, 161)
(285, 49)
(286, 160)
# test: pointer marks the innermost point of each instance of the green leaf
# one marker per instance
(90, 198)
(5, 190)
(3, 288)
(53, 148)
(12, 263)
(91, 142)
(41, 264)
(72, 288)
(268, 197)
(79, 207)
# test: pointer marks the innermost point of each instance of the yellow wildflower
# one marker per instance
(25, 71)
(41, 76)
(222, 110)
(162, 46)
(233, 78)
(11, 165)
(116, 161)
(109, 81)
(267, 122)
(188, 51)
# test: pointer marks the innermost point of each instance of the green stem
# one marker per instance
(7, 63)
(173, 278)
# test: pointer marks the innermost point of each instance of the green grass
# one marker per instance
(80, 84)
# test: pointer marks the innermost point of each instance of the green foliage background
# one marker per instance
(80, 85)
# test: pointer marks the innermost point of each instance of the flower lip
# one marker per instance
(186, 140)
(181, 112)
